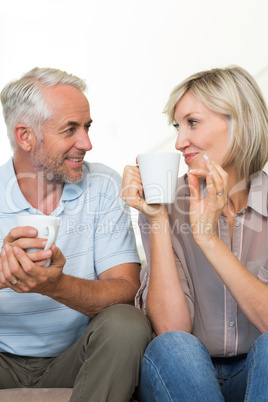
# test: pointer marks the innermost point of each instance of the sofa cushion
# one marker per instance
(35, 395)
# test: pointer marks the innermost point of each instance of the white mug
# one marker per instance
(159, 174)
(47, 227)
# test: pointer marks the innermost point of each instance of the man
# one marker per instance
(72, 324)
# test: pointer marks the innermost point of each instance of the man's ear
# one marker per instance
(24, 136)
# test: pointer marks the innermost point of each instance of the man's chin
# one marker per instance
(75, 178)
(61, 179)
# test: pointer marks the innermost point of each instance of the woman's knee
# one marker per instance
(174, 344)
(262, 343)
(181, 363)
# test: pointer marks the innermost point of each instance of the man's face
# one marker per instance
(59, 155)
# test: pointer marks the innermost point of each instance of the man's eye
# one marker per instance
(177, 126)
(192, 122)
(71, 130)
(87, 128)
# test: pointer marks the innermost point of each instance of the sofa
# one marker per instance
(35, 395)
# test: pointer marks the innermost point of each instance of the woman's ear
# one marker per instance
(24, 136)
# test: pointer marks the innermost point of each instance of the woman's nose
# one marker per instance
(182, 141)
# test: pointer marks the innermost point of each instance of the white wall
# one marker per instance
(131, 53)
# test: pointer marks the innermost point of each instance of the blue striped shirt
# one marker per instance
(95, 235)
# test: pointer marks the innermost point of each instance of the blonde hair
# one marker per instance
(234, 93)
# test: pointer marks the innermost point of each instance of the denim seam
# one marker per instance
(219, 373)
(236, 373)
(252, 363)
(159, 377)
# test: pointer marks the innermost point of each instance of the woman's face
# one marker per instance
(200, 131)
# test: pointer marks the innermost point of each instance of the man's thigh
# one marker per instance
(51, 372)
(61, 371)
(19, 371)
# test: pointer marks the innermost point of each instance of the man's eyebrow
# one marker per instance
(75, 123)
(72, 123)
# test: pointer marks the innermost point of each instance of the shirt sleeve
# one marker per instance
(114, 240)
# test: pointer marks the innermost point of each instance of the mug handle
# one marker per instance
(50, 240)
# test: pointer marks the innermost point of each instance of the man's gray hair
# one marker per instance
(24, 100)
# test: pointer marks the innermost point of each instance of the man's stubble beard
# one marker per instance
(51, 169)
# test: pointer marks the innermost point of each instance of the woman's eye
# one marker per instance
(192, 122)
(177, 126)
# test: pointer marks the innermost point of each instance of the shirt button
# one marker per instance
(231, 323)
(237, 224)
(235, 253)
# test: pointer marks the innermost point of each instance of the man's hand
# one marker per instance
(20, 273)
(24, 237)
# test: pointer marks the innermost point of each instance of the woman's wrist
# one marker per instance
(159, 216)
(207, 242)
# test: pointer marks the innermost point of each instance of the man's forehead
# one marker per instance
(65, 94)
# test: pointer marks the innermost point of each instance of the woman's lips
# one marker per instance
(189, 157)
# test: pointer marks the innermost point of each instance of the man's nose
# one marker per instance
(83, 141)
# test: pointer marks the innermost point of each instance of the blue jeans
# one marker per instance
(177, 367)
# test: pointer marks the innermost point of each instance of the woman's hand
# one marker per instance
(205, 213)
(132, 193)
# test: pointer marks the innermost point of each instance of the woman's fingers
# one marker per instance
(132, 189)
(194, 187)
(216, 184)
(205, 212)
(132, 193)
(219, 175)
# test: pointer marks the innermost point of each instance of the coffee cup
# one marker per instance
(159, 174)
(46, 226)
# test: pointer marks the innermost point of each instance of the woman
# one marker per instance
(208, 257)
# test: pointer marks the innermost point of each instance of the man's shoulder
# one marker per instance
(98, 168)
(6, 170)
(100, 176)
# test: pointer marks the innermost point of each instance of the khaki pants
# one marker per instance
(103, 365)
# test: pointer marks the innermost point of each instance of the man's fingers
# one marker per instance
(20, 232)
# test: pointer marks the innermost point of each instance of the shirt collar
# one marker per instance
(258, 193)
(71, 191)
(14, 201)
